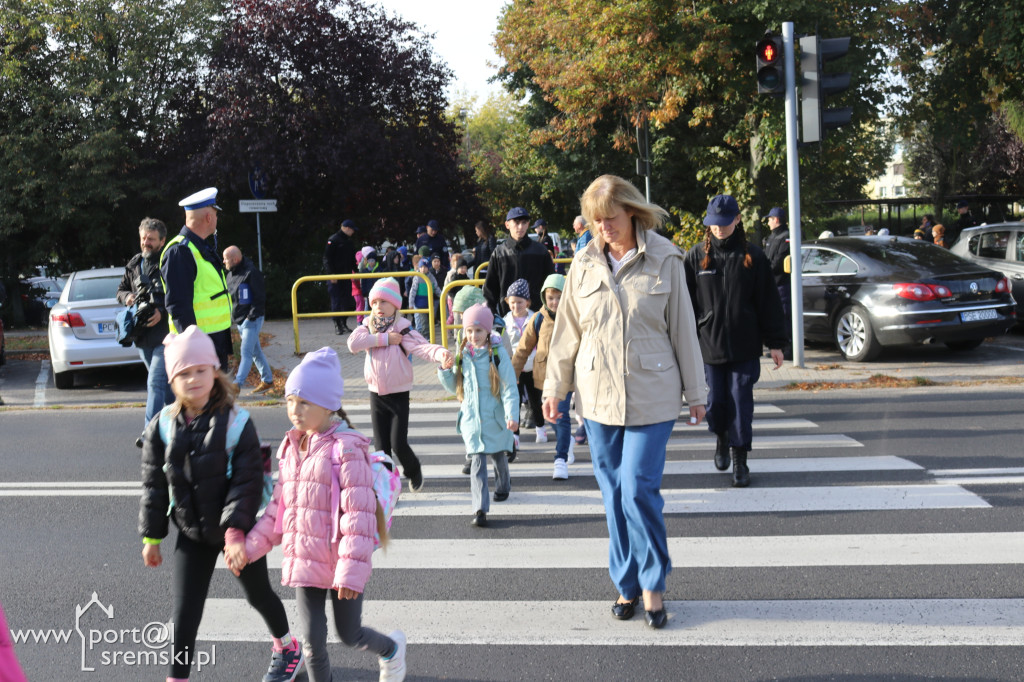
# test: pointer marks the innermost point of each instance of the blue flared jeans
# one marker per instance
(250, 351)
(629, 462)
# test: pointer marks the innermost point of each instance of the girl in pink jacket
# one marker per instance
(388, 339)
(325, 515)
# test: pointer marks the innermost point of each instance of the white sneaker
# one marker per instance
(561, 472)
(542, 435)
(393, 670)
(571, 458)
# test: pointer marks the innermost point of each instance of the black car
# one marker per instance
(862, 293)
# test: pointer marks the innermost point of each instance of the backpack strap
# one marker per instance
(537, 321)
(239, 416)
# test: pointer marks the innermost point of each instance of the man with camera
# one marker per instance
(142, 287)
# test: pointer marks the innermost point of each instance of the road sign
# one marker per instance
(257, 206)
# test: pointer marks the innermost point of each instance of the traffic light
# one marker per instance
(815, 118)
(770, 76)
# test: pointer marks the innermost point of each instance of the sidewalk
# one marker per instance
(994, 360)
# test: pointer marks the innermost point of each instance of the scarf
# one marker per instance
(379, 325)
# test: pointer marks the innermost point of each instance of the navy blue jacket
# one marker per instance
(248, 292)
(179, 271)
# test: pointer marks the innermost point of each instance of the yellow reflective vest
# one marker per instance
(210, 300)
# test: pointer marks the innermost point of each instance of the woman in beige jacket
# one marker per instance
(625, 337)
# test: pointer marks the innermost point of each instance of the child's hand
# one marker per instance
(235, 557)
(512, 424)
(447, 360)
(151, 556)
(345, 593)
(394, 338)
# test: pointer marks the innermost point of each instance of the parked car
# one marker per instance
(863, 293)
(81, 330)
(1000, 247)
(38, 296)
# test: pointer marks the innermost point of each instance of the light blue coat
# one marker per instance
(482, 417)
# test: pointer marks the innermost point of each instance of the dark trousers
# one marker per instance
(193, 568)
(532, 394)
(222, 344)
(390, 415)
(348, 614)
(730, 408)
(341, 300)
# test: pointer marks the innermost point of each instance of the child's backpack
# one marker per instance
(239, 416)
(387, 482)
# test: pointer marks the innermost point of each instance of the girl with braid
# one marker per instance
(738, 310)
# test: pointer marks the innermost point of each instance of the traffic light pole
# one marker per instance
(793, 179)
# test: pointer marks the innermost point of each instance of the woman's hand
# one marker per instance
(151, 555)
(345, 593)
(550, 409)
(697, 413)
(776, 356)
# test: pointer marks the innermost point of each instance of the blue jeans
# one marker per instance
(158, 388)
(563, 430)
(628, 463)
(251, 351)
(730, 408)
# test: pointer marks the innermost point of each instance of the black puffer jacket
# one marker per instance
(206, 501)
(737, 309)
(776, 248)
(525, 259)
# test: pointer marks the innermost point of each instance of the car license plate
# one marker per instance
(976, 315)
(106, 327)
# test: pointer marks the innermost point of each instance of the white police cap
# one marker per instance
(202, 198)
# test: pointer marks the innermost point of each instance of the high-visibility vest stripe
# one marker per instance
(210, 300)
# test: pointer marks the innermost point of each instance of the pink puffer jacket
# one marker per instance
(387, 368)
(327, 529)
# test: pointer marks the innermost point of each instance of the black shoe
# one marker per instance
(624, 611)
(138, 442)
(479, 520)
(740, 472)
(467, 467)
(512, 455)
(656, 619)
(722, 453)
(500, 497)
(416, 483)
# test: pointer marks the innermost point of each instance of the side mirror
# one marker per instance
(787, 265)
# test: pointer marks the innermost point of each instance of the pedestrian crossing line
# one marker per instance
(428, 411)
(691, 444)
(797, 622)
(561, 503)
(437, 428)
(896, 549)
(790, 465)
(995, 476)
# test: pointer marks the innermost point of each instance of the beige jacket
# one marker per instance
(629, 343)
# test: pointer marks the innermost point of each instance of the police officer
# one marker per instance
(194, 281)
(776, 248)
(249, 298)
(142, 285)
(340, 259)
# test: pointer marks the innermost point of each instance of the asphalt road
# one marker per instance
(58, 550)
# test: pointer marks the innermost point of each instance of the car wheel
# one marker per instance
(854, 336)
(969, 344)
(63, 380)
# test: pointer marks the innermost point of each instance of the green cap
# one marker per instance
(468, 296)
(554, 281)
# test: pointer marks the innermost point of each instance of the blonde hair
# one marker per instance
(222, 395)
(609, 193)
(382, 523)
(495, 377)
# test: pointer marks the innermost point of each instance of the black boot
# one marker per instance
(722, 453)
(740, 472)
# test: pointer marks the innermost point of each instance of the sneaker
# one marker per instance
(561, 472)
(393, 669)
(263, 387)
(286, 664)
(138, 442)
(416, 483)
(571, 458)
(581, 435)
(542, 434)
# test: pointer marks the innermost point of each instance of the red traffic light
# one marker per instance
(767, 51)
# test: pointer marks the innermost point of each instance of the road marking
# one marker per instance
(673, 468)
(797, 622)
(984, 480)
(74, 484)
(707, 501)
(897, 549)
(430, 412)
(977, 472)
(44, 375)
(679, 428)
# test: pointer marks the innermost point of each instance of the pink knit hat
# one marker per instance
(479, 315)
(190, 348)
(317, 379)
(387, 289)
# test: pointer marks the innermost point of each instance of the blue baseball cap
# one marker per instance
(517, 213)
(777, 213)
(540, 223)
(201, 199)
(349, 224)
(422, 229)
(722, 210)
(432, 224)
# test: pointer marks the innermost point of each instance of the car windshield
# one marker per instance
(902, 254)
(93, 288)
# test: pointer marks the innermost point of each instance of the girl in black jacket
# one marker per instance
(738, 310)
(202, 468)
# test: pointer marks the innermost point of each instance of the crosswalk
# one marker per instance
(803, 479)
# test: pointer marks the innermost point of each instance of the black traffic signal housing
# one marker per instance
(771, 79)
(817, 85)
